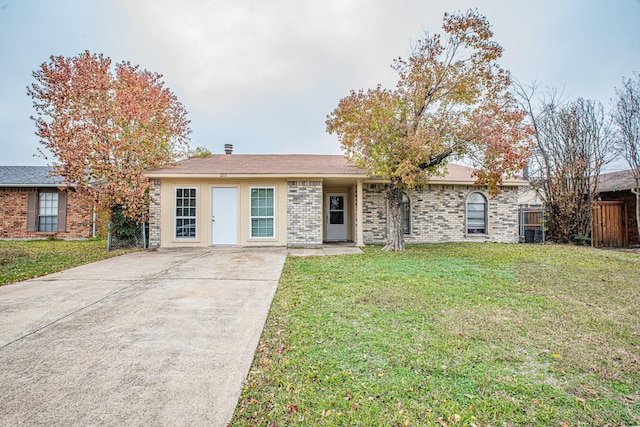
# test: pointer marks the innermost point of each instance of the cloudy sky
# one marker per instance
(263, 74)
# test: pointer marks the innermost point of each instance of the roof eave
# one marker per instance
(32, 185)
(454, 182)
(223, 175)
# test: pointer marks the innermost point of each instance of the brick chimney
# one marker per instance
(228, 148)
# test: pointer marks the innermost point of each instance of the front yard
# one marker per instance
(25, 259)
(451, 335)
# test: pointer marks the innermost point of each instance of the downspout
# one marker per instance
(359, 215)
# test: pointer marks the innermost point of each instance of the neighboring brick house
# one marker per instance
(36, 205)
(305, 200)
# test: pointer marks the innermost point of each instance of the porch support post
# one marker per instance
(360, 214)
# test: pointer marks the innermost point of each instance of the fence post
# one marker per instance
(109, 237)
(144, 234)
(521, 222)
(543, 224)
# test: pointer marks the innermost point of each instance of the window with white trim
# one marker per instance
(262, 212)
(186, 213)
(476, 213)
(48, 211)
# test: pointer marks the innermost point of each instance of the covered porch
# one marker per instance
(343, 211)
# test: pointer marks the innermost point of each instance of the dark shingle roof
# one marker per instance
(28, 176)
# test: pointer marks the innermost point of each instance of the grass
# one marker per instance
(25, 259)
(451, 335)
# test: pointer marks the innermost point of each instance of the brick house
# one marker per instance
(36, 205)
(305, 200)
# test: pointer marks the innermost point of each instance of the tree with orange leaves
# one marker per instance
(105, 126)
(452, 100)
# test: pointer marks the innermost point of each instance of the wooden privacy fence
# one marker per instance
(609, 225)
(532, 225)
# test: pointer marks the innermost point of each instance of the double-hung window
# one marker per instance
(476, 213)
(48, 212)
(262, 212)
(186, 212)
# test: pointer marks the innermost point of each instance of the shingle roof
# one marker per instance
(616, 181)
(292, 164)
(263, 164)
(28, 176)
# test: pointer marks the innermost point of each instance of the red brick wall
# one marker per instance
(630, 199)
(13, 217)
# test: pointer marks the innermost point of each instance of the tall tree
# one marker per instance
(626, 117)
(452, 99)
(105, 126)
(572, 144)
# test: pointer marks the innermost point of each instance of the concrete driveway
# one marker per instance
(150, 338)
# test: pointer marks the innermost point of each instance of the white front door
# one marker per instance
(337, 216)
(224, 216)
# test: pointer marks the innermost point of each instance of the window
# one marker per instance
(47, 211)
(476, 213)
(336, 209)
(186, 204)
(406, 214)
(262, 212)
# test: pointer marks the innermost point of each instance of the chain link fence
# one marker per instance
(125, 233)
(131, 237)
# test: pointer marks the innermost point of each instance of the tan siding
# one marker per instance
(204, 212)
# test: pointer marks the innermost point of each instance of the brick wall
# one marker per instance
(13, 217)
(304, 213)
(154, 214)
(438, 215)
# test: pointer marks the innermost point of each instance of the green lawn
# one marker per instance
(24, 259)
(451, 335)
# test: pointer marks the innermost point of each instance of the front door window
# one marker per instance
(336, 210)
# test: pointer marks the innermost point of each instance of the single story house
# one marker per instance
(305, 200)
(34, 205)
(614, 211)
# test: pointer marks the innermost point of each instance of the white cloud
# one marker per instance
(263, 74)
(224, 52)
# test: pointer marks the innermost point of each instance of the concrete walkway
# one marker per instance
(327, 249)
(150, 338)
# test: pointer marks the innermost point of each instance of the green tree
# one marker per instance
(452, 99)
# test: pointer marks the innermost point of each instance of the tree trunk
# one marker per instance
(395, 238)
